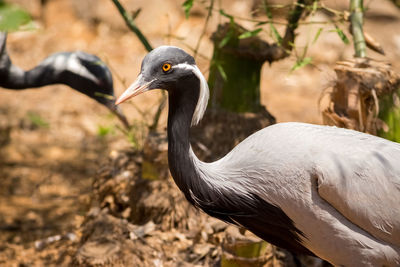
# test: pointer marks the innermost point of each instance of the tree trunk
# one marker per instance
(235, 70)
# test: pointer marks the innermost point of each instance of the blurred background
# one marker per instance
(66, 161)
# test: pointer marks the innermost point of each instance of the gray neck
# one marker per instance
(13, 77)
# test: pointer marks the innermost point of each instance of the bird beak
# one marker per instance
(138, 87)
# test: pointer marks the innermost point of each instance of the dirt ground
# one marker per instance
(60, 175)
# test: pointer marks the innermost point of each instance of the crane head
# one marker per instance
(164, 68)
(160, 70)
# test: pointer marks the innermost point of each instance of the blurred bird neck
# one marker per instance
(13, 77)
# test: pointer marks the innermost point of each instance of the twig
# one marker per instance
(131, 25)
(356, 18)
(210, 8)
(283, 50)
(263, 21)
(157, 115)
(129, 20)
(293, 23)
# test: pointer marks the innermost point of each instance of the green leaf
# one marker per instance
(277, 36)
(222, 12)
(301, 63)
(222, 72)
(230, 17)
(106, 96)
(136, 13)
(102, 131)
(275, 32)
(317, 35)
(261, 23)
(226, 39)
(37, 120)
(341, 35)
(12, 17)
(314, 7)
(267, 10)
(249, 33)
(187, 5)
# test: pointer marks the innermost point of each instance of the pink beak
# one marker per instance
(137, 87)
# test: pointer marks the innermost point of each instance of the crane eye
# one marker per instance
(166, 67)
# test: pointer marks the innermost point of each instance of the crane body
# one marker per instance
(317, 190)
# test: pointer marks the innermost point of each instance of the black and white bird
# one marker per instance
(83, 72)
(317, 190)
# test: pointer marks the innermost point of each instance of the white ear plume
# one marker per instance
(203, 95)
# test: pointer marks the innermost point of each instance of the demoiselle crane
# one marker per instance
(83, 72)
(317, 190)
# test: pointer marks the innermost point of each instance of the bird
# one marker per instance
(311, 189)
(82, 71)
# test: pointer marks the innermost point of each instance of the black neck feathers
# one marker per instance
(182, 103)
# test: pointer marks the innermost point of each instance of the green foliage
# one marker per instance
(103, 130)
(314, 7)
(137, 134)
(226, 39)
(301, 62)
(249, 34)
(187, 6)
(231, 32)
(317, 35)
(389, 113)
(230, 17)
(222, 71)
(37, 120)
(274, 31)
(13, 18)
(106, 96)
(341, 34)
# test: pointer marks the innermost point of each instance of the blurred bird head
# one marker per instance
(87, 74)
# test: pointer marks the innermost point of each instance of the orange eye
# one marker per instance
(166, 67)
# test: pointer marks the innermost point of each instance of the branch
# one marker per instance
(131, 25)
(161, 106)
(281, 51)
(293, 23)
(210, 8)
(356, 18)
(129, 20)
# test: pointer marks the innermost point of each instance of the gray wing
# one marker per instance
(360, 177)
(357, 174)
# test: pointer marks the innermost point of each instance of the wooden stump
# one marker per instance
(235, 69)
(365, 98)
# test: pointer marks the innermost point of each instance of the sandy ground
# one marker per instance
(46, 172)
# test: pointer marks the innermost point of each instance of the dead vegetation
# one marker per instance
(354, 100)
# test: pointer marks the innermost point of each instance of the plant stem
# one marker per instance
(210, 8)
(131, 25)
(129, 20)
(283, 49)
(156, 119)
(293, 19)
(356, 18)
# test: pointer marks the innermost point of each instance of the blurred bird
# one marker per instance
(317, 190)
(81, 71)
